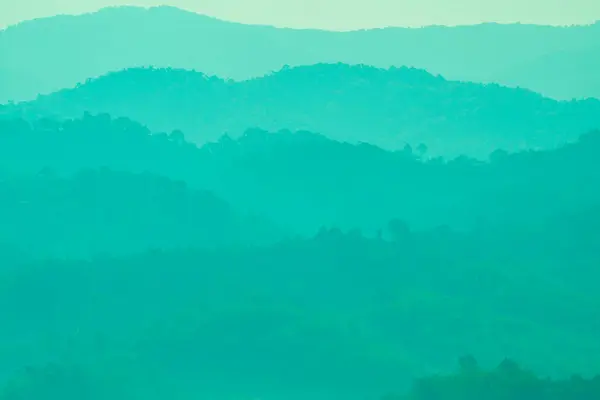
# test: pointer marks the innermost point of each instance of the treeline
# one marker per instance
(335, 311)
(303, 181)
(353, 103)
(103, 211)
(506, 382)
(288, 261)
(426, 218)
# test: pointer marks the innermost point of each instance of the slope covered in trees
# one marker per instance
(101, 186)
(101, 211)
(303, 181)
(508, 381)
(64, 50)
(388, 108)
(354, 232)
(126, 270)
(330, 316)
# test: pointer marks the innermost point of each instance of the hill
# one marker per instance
(122, 275)
(334, 316)
(387, 108)
(304, 181)
(63, 50)
(105, 212)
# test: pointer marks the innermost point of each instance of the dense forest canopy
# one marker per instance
(347, 219)
(361, 309)
(101, 215)
(326, 183)
(385, 107)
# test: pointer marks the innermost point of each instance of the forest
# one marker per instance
(199, 209)
(556, 61)
(388, 107)
(157, 253)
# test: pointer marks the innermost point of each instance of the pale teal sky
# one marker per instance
(338, 14)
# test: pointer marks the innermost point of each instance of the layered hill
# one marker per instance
(45, 55)
(304, 181)
(98, 212)
(385, 107)
(336, 316)
(339, 315)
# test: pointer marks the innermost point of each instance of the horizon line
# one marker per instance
(269, 25)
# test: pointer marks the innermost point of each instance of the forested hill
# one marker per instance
(323, 181)
(385, 107)
(333, 315)
(98, 212)
(141, 257)
(199, 209)
(64, 50)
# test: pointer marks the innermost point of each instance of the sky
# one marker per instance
(337, 14)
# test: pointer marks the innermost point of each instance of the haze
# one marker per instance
(337, 14)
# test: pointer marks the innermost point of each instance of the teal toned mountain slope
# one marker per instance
(325, 183)
(195, 209)
(87, 313)
(46, 55)
(105, 212)
(334, 316)
(388, 108)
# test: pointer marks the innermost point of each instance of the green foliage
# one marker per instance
(313, 313)
(138, 265)
(506, 382)
(102, 211)
(325, 183)
(383, 107)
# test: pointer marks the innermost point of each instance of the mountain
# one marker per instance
(46, 55)
(337, 316)
(303, 181)
(362, 186)
(139, 276)
(106, 212)
(385, 107)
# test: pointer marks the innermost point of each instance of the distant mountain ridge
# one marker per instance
(63, 50)
(388, 108)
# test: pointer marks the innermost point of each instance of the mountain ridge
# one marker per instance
(169, 8)
(268, 174)
(385, 107)
(65, 50)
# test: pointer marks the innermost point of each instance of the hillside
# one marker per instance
(335, 316)
(196, 209)
(385, 107)
(133, 258)
(105, 212)
(324, 182)
(64, 50)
